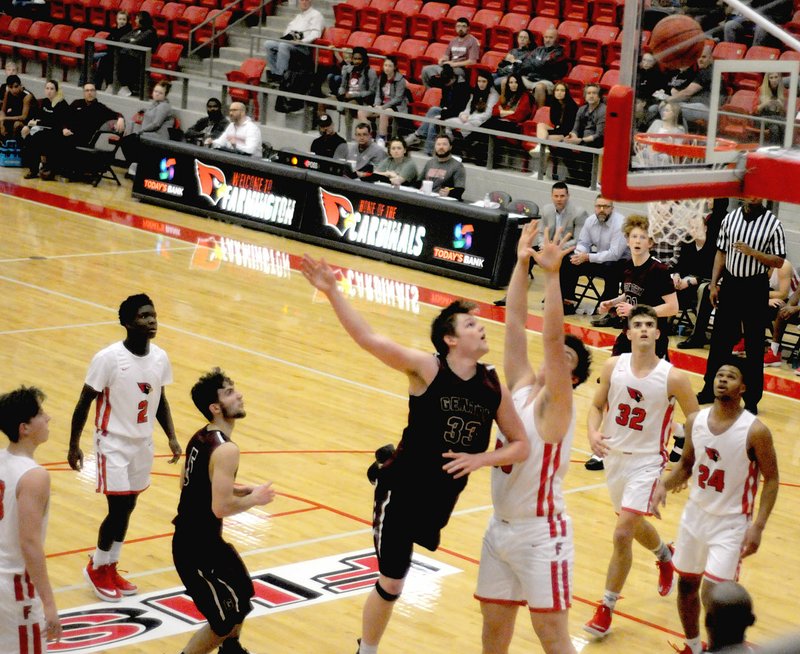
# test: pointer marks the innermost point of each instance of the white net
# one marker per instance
(677, 221)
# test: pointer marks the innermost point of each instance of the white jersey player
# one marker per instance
(726, 450)
(527, 552)
(28, 615)
(637, 394)
(126, 380)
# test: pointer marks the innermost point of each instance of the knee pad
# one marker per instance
(389, 597)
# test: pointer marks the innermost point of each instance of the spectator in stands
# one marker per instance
(589, 130)
(482, 100)
(445, 171)
(398, 168)
(40, 133)
(363, 153)
(546, 64)
(669, 122)
(11, 68)
(157, 120)
(18, 107)
(85, 117)
(781, 287)
(650, 79)
(343, 57)
(601, 251)
(242, 135)
(390, 93)
(130, 63)
(772, 104)
(512, 109)
(645, 280)
(211, 126)
(463, 51)
(329, 140)
(288, 52)
(563, 110)
(359, 82)
(104, 61)
(789, 313)
(738, 28)
(455, 95)
(515, 58)
(691, 87)
(709, 13)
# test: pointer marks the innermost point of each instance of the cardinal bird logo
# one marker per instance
(145, 387)
(635, 395)
(712, 454)
(212, 182)
(337, 211)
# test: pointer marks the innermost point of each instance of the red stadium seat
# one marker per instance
(168, 56)
(133, 7)
(164, 21)
(99, 11)
(17, 29)
(58, 37)
(726, 50)
(362, 39)
(433, 53)
(578, 77)
(614, 49)
(576, 10)
(489, 63)
(407, 53)
(332, 36)
(75, 44)
(590, 48)
(548, 8)
(383, 46)
(59, 10)
(218, 21)
(610, 78)
(420, 26)
(346, 13)
(417, 91)
(607, 12)
(432, 98)
(502, 36)
(190, 18)
(496, 5)
(36, 35)
(483, 21)
(751, 81)
(249, 72)
(740, 129)
(542, 115)
(569, 32)
(395, 21)
(539, 25)
(370, 19)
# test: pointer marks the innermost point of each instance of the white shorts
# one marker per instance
(527, 562)
(21, 617)
(709, 544)
(631, 480)
(123, 464)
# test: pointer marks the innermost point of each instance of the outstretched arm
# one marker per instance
(677, 478)
(555, 408)
(79, 416)
(762, 450)
(410, 361)
(164, 417)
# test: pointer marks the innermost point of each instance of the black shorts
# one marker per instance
(402, 518)
(215, 578)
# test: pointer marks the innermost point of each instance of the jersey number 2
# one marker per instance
(141, 415)
(706, 478)
(631, 417)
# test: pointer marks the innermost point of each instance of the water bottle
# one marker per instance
(487, 201)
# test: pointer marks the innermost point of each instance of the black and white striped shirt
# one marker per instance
(763, 232)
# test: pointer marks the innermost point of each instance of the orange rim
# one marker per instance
(683, 145)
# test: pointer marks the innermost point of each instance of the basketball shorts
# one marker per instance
(123, 464)
(709, 544)
(215, 578)
(527, 562)
(21, 617)
(392, 533)
(631, 480)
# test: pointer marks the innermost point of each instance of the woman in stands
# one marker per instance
(157, 120)
(390, 93)
(512, 109)
(131, 62)
(479, 108)
(398, 168)
(105, 60)
(358, 81)
(40, 133)
(772, 104)
(513, 61)
(669, 123)
(563, 109)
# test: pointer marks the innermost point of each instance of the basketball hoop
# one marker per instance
(675, 221)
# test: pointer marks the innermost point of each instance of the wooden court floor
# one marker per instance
(317, 407)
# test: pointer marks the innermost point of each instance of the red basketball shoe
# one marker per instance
(102, 582)
(666, 573)
(124, 586)
(600, 624)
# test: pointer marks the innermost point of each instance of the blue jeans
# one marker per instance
(279, 54)
(428, 131)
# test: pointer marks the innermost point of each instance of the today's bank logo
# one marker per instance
(101, 627)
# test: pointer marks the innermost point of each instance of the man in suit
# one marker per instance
(559, 213)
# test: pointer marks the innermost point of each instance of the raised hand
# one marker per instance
(318, 273)
(525, 243)
(552, 252)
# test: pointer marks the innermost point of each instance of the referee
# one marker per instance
(750, 242)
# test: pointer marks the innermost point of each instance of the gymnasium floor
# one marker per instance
(317, 408)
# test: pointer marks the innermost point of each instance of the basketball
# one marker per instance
(677, 41)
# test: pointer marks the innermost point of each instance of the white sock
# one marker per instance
(367, 649)
(101, 557)
(116, 548)
(610, 599)
(662, 553)
(695, 644)
(775, 347)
